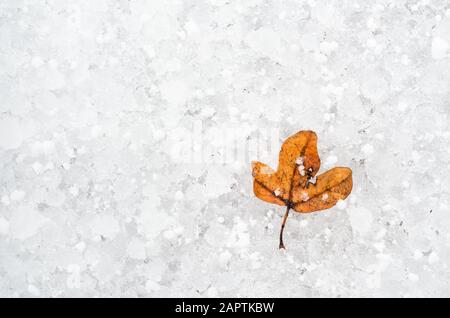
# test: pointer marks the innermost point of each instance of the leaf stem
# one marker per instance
(286, 214)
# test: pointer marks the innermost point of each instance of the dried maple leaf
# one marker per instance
(295, 184)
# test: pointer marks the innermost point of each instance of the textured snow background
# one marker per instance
(95, 96)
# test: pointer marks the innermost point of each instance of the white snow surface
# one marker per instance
(103, 195)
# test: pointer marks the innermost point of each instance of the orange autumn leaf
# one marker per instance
(294, 184)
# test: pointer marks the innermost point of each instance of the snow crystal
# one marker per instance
(225, 257)
(74, 190)
(313, 180)
(301, 170)
(212, 292)
(104, 225)
(37, 61)
(439, 48)
(151, 286)
(33, 290)
(367, 149)
(303, 223)
(277, 192)
(5, 200)
(417, 254)
(152, 221)
(413, 277)
(169, 235)
(433, 258)
(239, 236)
(341, 204)
(81, 247)
(331, 160)
(179, 195)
